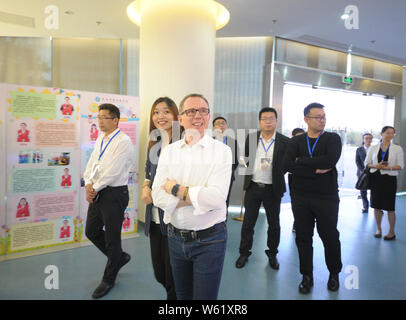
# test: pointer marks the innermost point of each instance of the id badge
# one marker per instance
(265, 164)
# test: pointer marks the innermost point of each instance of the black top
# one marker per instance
(380, 155)
(360, 156)
(326, 154)
(151, 166)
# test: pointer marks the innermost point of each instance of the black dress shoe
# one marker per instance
(273, 262)
(102, 290)
(125, 259)
(241, 261)
(365, 210)
(306, 285)
(389, 238)
(333, 282)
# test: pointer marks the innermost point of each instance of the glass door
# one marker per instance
(348, 113)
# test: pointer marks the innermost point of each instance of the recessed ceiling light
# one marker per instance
(345, 16)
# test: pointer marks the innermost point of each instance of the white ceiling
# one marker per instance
(382, 24)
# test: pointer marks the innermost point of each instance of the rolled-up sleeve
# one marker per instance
(214, 194)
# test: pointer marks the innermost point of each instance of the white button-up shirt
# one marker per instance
(260, 175)
(205, 168)
(114, 166)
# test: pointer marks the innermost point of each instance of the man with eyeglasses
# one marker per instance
(264, 184)
(191, 186)
(312, 159)
(106, 179)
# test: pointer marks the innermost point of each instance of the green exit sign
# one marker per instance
(347, 80)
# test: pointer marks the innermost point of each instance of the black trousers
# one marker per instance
(256, 195)
(160, 260)
(229, 193)
(107, 210)
(322, 209)
(364, 197)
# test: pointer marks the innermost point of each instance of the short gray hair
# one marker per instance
(198, 95)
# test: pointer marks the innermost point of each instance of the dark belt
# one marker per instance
(189, 235)
(115, 188)
(261, 185)
(109, 188)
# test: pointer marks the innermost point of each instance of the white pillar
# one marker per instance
(177, 52)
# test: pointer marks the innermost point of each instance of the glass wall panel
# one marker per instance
(25, 61)
(87, 64)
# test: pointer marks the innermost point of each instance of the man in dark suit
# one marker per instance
(264, 183)
(360, 156)
(220, 127)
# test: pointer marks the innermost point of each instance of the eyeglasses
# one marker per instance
(318, 118)
(104, 118)
(220, 123)
(192, 112)
(268, 119)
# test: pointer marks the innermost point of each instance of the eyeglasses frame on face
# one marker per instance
(105, 118)
(220, 123)
(194, 111)
(318, 118)
(269, 119)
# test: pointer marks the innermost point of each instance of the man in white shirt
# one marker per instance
(264, 184)
(106, 179)
(191, 186)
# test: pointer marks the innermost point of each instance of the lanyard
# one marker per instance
(384, 153)
(101, 146)
(314, 146)
(225, 140)
(266, 149)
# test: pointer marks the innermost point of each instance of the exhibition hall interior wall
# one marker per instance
(47, 137)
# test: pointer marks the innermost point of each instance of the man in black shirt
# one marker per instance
(311, 158)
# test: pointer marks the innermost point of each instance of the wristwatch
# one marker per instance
(185, 193)
(175, 189)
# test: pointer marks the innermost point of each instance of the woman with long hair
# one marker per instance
(385, 160)
(163, 114)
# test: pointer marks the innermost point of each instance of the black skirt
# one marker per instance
(383, 191)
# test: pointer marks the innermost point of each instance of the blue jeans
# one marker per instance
(197, 264)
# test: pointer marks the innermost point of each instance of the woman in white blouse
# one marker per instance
(385, 160)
